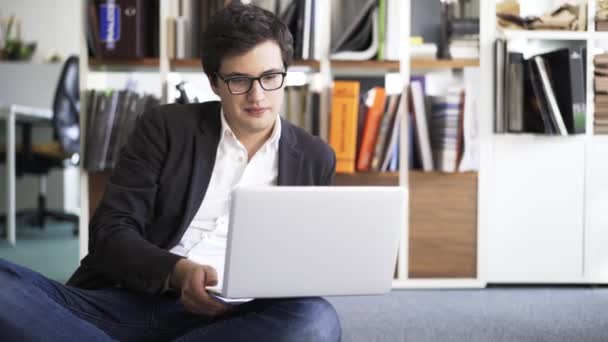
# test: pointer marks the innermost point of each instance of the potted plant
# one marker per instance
(14, 48)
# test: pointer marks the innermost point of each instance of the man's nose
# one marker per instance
(256, 92)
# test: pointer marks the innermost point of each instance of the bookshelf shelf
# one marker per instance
(369, 65)
(426, 63)
(421, 63)
(368, 178)
(195, 63)
(191, 63)
(543, 35)
(127, 63)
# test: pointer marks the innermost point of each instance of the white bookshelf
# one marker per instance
(543, 35)
(540, 196)
(155, 74)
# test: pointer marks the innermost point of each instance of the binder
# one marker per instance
(122, 28)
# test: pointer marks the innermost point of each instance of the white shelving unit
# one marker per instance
(541, 196)
(155, 75)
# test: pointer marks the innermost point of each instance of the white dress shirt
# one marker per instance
(205, 238)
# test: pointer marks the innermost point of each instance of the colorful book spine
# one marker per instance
(370, 130)
(343, 124)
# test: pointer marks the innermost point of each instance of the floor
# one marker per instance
(52, 251)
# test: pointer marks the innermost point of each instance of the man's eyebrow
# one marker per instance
(236, 73)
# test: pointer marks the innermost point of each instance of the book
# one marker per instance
(538, 119)
(343, 124)
(122, 28)
(470, 158)
(112, 116)
(392, 145)
(565, 68)
(417, 98)
(500, 49)
(514, 92)
(382, 140)
(120, 110)
(377, 97)
(554, 110)
(93, 37)
(381, 31)
(446, 129)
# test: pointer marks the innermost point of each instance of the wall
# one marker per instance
(54, 25)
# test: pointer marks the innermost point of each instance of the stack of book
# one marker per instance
(465, 46)
(600, 123)
(421, 49)
(364, 127)
(601, 16)
(301, 106)
(111, 117)
(446, 125)
(188, 20)
(544, 93)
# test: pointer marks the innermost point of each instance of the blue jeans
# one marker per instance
(34, 308)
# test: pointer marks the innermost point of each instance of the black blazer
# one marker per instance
(158, 186)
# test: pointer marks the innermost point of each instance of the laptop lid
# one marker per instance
(313, 241)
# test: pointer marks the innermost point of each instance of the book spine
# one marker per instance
(549, 93)
(370, 130)
(343, 124)
(577, 83)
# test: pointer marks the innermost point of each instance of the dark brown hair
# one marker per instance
(237, 29)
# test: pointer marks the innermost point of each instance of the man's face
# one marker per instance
(255, 111)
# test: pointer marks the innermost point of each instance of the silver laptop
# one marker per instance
(312, 241)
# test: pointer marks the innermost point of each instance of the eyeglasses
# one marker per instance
(242, 84)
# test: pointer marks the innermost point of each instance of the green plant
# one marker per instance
(15, 48)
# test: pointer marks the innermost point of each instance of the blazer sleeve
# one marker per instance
(117, 245)
(330, 168)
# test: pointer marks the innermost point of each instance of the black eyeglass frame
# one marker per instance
(251, 80)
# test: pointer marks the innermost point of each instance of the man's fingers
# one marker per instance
(210, 276)
(194, 294)
(203, 304)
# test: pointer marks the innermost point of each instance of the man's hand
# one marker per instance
(190, 279)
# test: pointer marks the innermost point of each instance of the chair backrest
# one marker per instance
(66, 107)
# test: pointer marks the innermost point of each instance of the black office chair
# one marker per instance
(39, 159)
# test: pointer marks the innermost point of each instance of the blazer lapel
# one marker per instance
(203, 160)
(290, 156)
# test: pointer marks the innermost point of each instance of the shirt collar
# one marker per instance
(273, 141)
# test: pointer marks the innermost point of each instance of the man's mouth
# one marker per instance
(256, 111)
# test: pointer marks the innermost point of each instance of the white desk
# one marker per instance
(11, 113)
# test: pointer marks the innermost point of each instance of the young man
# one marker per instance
(167, 202)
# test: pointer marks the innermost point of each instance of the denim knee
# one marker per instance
(315, 319)
(14, 272)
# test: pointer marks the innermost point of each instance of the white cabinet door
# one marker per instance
(536, 229)
(596, 203)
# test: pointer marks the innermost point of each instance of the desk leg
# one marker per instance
(11, 178)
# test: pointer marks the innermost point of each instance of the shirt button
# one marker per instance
(241, 159)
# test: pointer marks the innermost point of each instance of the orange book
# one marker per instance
(370, 129)
(343, 124)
